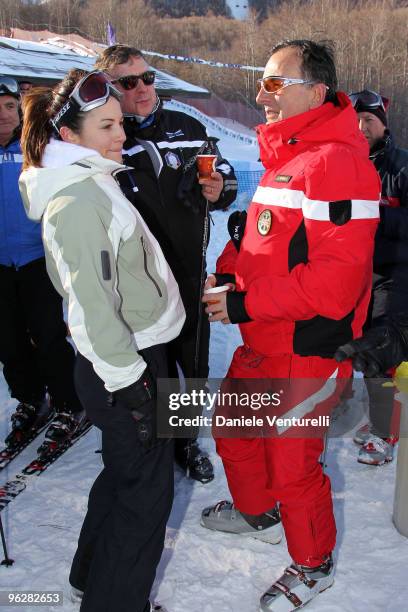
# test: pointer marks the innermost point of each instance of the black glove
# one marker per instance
(380, 349)
(140, 399)
(236, 227)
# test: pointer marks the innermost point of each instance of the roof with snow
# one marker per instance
(48, 61)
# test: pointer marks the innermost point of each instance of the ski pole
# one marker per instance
(202, 281)
(209, 147)
(6, 561)
(324, 453)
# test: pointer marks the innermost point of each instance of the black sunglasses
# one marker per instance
(131, 80)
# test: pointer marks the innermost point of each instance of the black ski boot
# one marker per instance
(62, 428)
(194, 462)
(26, 417)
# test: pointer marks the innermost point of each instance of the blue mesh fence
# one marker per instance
(247, 183)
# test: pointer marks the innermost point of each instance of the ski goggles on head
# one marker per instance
(92, 91)
(131, 80)
(274, 84)
(368, 99)
(9, 86)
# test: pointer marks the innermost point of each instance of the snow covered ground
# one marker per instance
(203, 571)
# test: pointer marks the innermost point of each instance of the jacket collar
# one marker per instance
(329, 123)
(63, 165)
(383, 145)
(134, 129)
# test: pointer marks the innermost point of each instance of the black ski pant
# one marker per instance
(384, 409)
(389, 297)
(181, 351)
(122, 537)
(33, 345)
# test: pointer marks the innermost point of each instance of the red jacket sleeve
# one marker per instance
(340, 223)
(227, 260)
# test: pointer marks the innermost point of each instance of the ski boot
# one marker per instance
(24, 419)
(377, 451)
(297, 586)
(62, 428)
(361, 436)
(194, 462)
(225, 517)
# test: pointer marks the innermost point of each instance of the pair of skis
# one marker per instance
(10, 452)
(12, 488)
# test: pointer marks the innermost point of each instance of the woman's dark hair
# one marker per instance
(40, 105)
(317, 62)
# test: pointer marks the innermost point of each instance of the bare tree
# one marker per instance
(370, 40)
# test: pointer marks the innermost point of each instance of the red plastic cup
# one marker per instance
(206, 165)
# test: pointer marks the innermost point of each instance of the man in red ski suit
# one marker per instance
(301, 268)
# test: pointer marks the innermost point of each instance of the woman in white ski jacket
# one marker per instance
(123, 306)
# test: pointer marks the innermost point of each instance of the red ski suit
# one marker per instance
(303, 271)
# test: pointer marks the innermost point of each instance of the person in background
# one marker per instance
(301, 266)
(25, 87)
(161, 145)
(390, 287)
(123, 306)
(380, 349)
(33, 346)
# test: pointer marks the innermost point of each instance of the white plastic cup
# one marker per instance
(215, 290)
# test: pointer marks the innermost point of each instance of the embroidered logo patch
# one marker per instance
(283, 178)
(264, 222)
(172, 160)
(175, 134)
